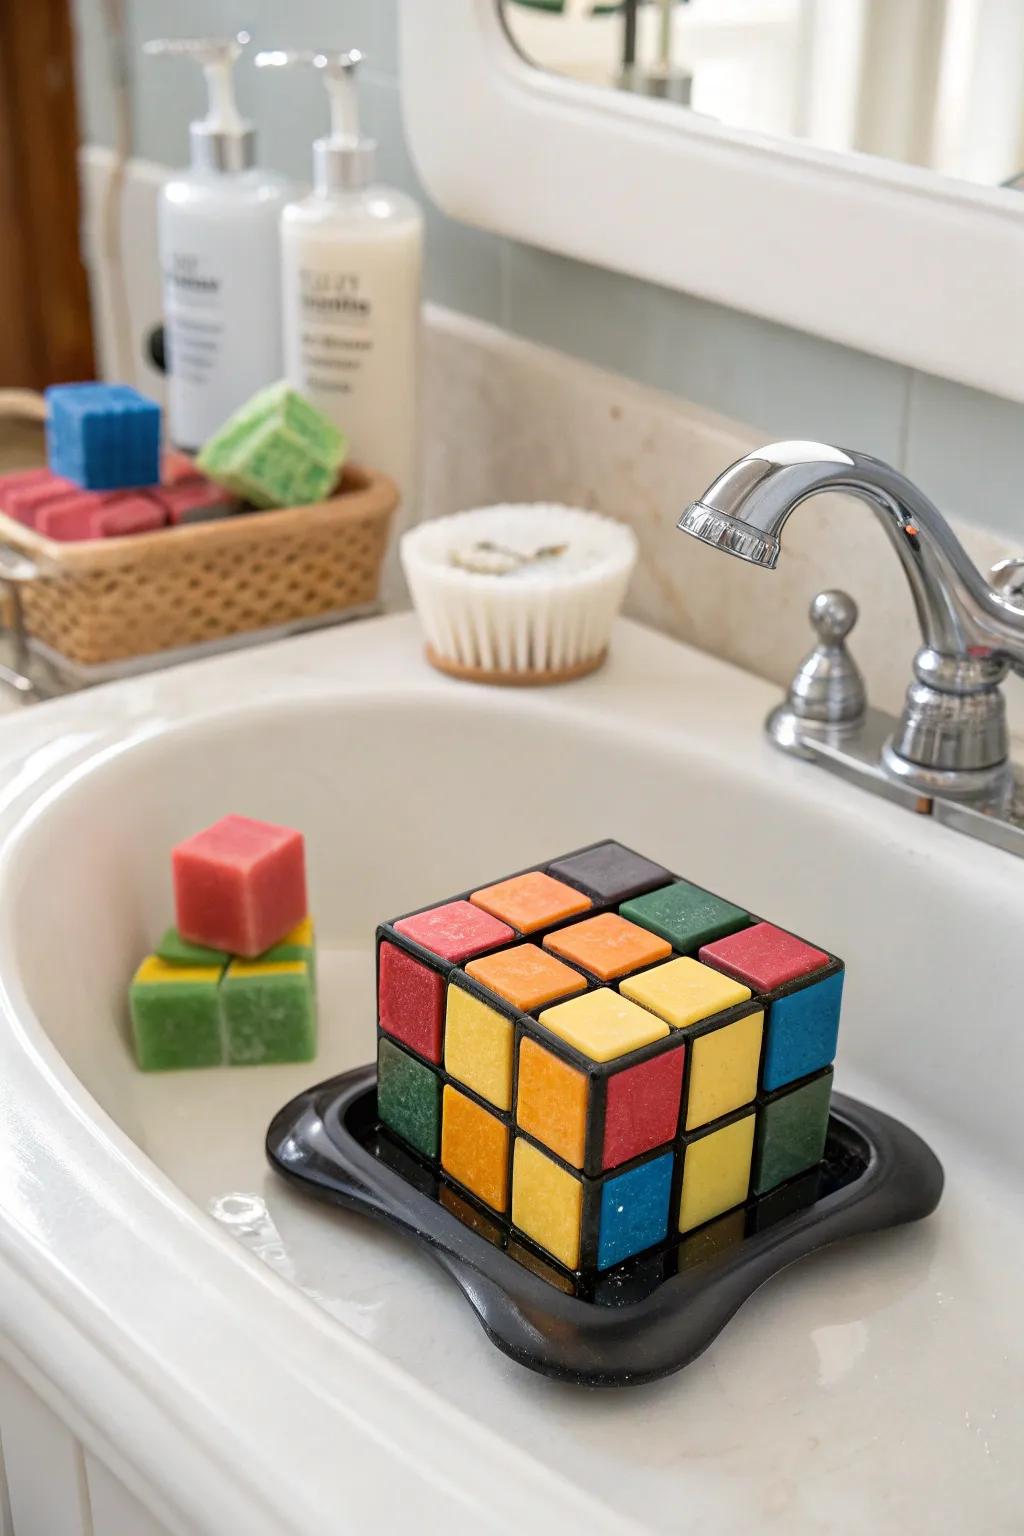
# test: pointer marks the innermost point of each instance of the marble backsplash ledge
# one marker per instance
(510, 420)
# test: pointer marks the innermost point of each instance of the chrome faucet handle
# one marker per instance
(826, 697)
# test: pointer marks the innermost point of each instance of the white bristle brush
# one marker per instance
(518, 594)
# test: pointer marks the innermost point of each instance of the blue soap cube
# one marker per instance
(634, 1210)
(802, 1032)
(102, 436)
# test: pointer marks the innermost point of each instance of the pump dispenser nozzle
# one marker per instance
(342, 162)
(222, 140)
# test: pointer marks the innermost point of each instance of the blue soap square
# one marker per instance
(634, 1211)
(802, 1032)
(104, 437)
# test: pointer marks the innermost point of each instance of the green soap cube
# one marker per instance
(178, 951)
(276, 451)
(791, 1128)
(299, 943)
(685, 915)
(409, 1098)
(269, 1011)
(175, 1011)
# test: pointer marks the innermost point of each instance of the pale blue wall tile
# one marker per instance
(965, 449)
(463, 265)
(784, 382)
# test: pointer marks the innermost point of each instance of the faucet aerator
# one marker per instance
(722, 532)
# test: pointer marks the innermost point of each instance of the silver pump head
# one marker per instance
(343, 161)
(222, 140)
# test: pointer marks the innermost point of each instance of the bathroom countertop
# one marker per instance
(872, 1388)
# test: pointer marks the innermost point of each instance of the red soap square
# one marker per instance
(175, 466)
(240, 885)
(195, 500)
(122, 515)
(69, 518)
(456, 931)
(642, 1107)
(763, 956)
(410, 1001)
(23, 504)
(21, 480)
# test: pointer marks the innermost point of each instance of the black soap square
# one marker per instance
(610, 873)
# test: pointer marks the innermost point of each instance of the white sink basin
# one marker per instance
(260, 1363)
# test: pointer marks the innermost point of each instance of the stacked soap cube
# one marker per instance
(104, 478)
(235, 980)
(603, 1055)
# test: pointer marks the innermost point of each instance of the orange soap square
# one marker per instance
(526, 977)
(608, 945)
(474, 1148)
(551, 1101)
(531, 901)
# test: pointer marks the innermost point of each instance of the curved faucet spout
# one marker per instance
(745, 510)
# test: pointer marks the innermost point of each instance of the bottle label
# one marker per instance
(193, 313)
(336, 329)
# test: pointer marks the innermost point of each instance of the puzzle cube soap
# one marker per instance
(269, 1012)
(276, 451)
(102, 436)
(175, 1013)
(804, 990)
(582, 1056)
(240, 885)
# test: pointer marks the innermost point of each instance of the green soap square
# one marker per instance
(175, 1024)
(178, 951)
(304, 952)
(685, 915)
(791, 1130)
(269, 1013)
(277, 450)
(409, 1098)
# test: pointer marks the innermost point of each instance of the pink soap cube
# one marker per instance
(68, 517)
(240, 885)
(121, 515)
(24, 503)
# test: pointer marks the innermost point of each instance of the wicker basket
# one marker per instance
(103, 601)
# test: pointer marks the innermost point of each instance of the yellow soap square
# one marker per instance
(478, 1047)
(723, 1070)
(547, 1203)
(683, 991)
(551, 1101)
(153, 969)
(716, 1173)
(245, 970)
(603, 1025)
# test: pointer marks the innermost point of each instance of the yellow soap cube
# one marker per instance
(723, 1070)
(716, 1172)
(683, 992)
(603, 1025)
(547, 1203)
(478, 1047)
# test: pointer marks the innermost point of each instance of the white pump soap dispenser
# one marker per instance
(351, 257)
(220, 254)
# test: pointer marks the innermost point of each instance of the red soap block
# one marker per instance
(69, 517)
(763, 956)
(175, 466)
(122, 515)
(240, 885)
(195, 500)
(456, 931)
(410, 1001)
(642, 1107)
(21, 480)
(25, 502)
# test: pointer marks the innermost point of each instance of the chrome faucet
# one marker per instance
(951, 741)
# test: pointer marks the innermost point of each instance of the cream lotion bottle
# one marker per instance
(220, 255)
(351, 265)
